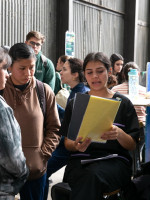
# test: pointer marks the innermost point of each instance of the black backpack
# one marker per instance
(40, 89)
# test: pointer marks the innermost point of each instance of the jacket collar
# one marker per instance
(32, 84)
(77, 87)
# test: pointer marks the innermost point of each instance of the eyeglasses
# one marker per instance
(35, 44)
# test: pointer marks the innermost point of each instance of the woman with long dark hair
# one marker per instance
(106, 175)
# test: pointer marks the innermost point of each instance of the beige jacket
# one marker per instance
(37, 144)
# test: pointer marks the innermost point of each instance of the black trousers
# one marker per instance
(90, 181)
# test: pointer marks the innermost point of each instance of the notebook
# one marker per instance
(92, 116)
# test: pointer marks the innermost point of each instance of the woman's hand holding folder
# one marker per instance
(81, 145)
(78, 145)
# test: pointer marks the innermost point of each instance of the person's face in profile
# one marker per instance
(3, 75)
(59, 65)
(66, 76)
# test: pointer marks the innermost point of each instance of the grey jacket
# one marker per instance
(13, 169)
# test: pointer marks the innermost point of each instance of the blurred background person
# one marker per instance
(58, 84)
(124, 89)
(117, 62)
(44, 70)
(140, 110)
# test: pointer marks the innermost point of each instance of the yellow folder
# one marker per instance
(97, 117)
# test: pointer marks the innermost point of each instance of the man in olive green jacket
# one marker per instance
(44, 70)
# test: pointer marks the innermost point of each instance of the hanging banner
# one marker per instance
(69, 44)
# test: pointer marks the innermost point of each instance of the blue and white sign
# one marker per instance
(69, 44)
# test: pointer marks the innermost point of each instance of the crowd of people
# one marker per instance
(34, 144)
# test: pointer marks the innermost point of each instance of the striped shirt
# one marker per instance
(124, 89)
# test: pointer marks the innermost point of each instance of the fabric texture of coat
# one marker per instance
(13, 169)
(45, 73)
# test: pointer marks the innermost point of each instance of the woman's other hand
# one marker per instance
(112, 134)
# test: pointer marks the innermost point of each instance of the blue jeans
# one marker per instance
(34, 189)
(58, 160)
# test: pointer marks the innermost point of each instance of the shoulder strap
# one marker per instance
(44, 60)
(40, 89)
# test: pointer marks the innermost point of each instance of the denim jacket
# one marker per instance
(13, 169)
